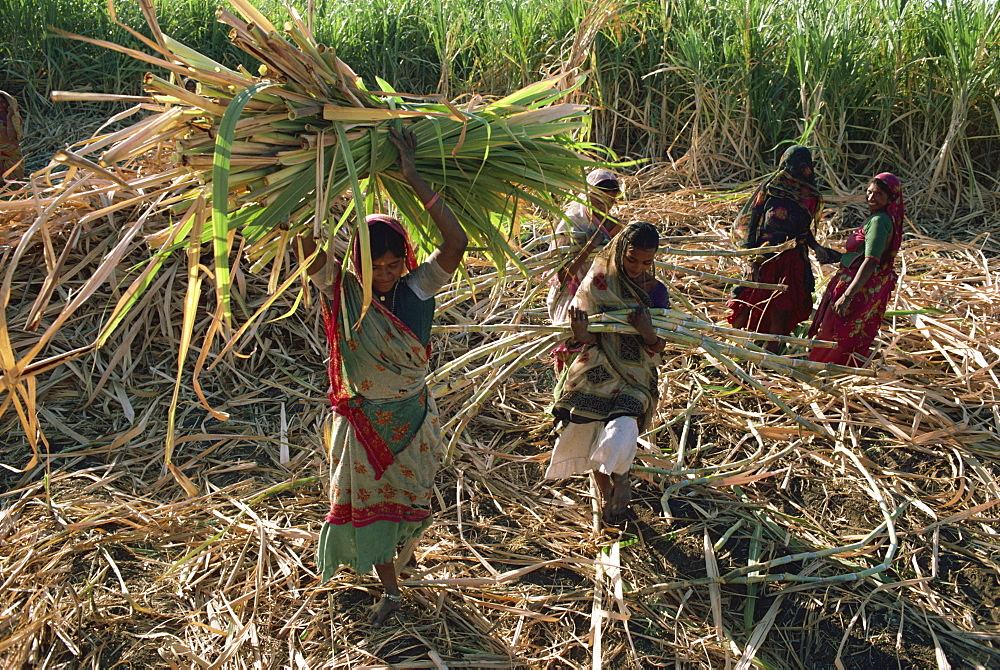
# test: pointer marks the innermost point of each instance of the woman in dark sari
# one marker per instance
(851, 311)
(384, 440)
(782, 208)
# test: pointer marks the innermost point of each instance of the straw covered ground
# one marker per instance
(879, 544)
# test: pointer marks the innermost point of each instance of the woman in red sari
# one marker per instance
(855, 300)
(782, 208)
(384, 440)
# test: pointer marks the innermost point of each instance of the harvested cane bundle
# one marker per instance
(268, 156)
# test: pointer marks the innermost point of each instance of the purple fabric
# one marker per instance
(660, 296)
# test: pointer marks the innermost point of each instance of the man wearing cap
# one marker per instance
(586, 228)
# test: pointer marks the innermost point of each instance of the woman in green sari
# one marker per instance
(385, 444)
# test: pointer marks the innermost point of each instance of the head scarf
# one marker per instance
(410, 260)
(794, 180)
(608, 286)
(895, 209)
(797, 161)
(599, 176)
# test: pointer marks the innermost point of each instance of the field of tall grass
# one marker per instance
(715, 86)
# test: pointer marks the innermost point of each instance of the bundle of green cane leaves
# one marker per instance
(270, 155)
(247, 162)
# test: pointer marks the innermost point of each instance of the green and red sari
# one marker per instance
(856, 330)
(384, 439)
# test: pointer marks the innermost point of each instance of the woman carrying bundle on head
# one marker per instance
(385, 442)
(587, 227)
(782, 208)
(610, 391)
(851, 311)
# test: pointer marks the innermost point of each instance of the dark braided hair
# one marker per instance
(383, 238)
(642, 235)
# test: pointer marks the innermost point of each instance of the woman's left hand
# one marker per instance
(641, 321)
(578, 322)
(406, 143)
(842, 304)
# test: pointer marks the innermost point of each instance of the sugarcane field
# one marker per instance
(499, 334)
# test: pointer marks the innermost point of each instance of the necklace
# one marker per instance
(391, 295)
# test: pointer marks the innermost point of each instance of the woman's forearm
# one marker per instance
(308, 249)
(864, 273)
(823, 254)
(453, 238)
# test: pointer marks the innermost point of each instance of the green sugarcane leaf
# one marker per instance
(220, 192)
(246, 221)
(359, 210)
(289, 198)
(155, 263)
(131, 297)
(191, 299)
(753, 557)
(910, 312)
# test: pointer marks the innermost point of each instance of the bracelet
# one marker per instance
(398, 598)
(430, 203)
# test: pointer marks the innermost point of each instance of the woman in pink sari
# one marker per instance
(851, 311)
(384, 440)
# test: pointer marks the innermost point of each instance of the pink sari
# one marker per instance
(855, 331)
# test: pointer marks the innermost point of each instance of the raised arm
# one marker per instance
(454, 240)
(322, 269)
(308, 248)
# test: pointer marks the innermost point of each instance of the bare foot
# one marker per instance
(381, 611)
(621, 495)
